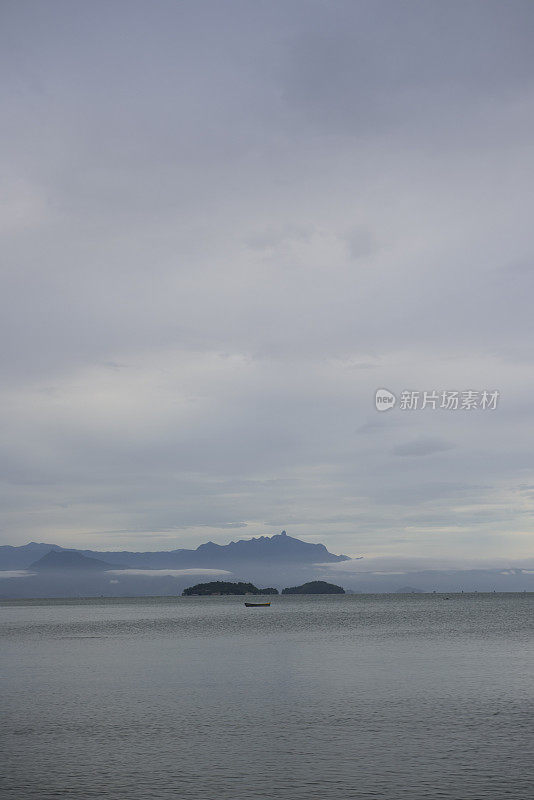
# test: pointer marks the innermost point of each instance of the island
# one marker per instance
(409, 590)
(215, 588)
(315, 587)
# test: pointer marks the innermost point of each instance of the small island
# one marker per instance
(215, 588)
(409, 590)
(315, 587)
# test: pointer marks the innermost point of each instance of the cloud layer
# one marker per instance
(223, 227)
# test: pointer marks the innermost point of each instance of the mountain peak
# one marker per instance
(278, 547)
(277, 550)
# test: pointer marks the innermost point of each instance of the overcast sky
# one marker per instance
(224, 226)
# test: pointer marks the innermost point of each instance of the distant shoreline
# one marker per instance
(274, 598)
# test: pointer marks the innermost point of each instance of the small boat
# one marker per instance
(254, 605)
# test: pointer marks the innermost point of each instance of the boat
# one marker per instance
(253, 605)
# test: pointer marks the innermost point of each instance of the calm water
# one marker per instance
(386, 697)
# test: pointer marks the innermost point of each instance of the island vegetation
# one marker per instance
(225, 587)
(315, 587)
(214, 588)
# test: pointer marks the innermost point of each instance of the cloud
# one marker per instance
(422, 447)
(15, 573)
(360, 242)
(215, 254)
(157, 573)
(273, 238)
(397, 565)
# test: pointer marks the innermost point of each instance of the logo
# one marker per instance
(384, 399)
(469, 400)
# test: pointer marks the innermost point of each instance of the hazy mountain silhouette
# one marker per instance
(266, 560)
(67, 560)
(279, 549)
(279, 561)
(21, 557)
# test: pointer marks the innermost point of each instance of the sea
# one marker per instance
(394, 697)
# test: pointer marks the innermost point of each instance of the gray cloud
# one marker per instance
(422, 447)
(15, 573)
(156, 573)
(223, 227)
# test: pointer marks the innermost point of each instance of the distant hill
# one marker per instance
(315, 587)
(67, 560)
(409, 590)
(21, 557)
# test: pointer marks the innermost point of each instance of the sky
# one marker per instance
(224, 226)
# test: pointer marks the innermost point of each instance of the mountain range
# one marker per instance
(279, 549)
(42, 570)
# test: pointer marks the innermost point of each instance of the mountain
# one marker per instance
(67, 560)
(277, 561)
(21, 557)
(280, 560)
(280, 549)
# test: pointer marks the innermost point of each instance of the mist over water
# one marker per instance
(324, 697)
